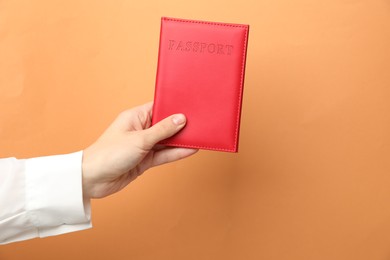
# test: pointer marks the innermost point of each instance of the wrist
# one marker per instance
(86, 183)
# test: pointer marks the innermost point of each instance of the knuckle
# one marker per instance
(144, 141)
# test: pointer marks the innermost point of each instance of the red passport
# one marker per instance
(200, 73)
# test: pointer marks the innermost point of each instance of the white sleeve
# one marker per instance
(42, 197)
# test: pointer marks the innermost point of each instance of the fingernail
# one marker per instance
(178, 119)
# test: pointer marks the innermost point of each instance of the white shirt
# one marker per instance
(41, 197)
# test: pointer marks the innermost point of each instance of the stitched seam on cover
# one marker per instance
(202, 22)
(241, 80)
(199, 146)
(241, 88)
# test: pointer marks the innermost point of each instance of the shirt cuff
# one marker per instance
(54, 197)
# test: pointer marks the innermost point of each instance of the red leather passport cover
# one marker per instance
(200, 73)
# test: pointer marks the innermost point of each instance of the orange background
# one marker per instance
(312, 178)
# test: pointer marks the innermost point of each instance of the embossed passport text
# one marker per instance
(200, 73)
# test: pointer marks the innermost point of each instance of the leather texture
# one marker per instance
(200, 73)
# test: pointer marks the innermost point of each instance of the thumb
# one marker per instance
(164, 129)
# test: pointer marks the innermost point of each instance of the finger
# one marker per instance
(147, 107)
(159, 147)
(171, 154)
(163, 129)
(136, 118)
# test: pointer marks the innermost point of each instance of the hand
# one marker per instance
(128, 148)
